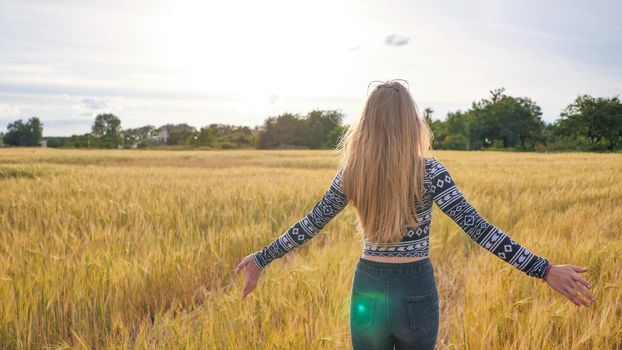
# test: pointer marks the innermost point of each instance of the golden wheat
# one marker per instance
(136, 249)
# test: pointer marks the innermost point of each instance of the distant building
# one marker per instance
(43, 143)
(162, 135)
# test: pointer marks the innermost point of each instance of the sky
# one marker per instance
(238, 62)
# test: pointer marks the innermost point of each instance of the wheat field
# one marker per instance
(131, 249)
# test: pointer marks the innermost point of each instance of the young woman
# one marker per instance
(390, 179)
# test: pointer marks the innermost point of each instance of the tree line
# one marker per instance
(498, 122)
(316, 130)
(515, 123)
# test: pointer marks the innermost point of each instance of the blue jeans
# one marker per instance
(394, 306)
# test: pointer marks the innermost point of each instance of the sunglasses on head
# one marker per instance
(376, 83)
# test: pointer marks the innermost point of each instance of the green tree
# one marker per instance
(437, 127)
(205, 137)
(599, 120)
(315, 130)
(283, 131)
(27, 134)
(178, 134)
(427, 115)
(333, 137)
(79, 141)
(106, 131)
(458, 131)
(317, 126)
(137, 137)
(456, 141)
(516, 122)
(236, 137)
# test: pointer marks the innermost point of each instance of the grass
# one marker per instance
(127, 249)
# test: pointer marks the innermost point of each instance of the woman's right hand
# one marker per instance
(565, 279)
(251, 274)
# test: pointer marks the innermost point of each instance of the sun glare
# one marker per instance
(251, 49)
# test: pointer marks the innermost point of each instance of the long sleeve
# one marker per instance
(450, 200)
(331, 203)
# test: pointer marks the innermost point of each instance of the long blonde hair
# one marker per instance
(382, 157)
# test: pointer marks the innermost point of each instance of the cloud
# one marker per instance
(100, 104)
(9, 111)
(93, 103)
(396, 40)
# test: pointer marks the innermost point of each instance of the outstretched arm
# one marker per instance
(331, 203)
(450, 200)
(565, 278)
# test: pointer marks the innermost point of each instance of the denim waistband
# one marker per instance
(422, 265)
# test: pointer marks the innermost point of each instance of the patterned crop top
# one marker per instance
(439, 187)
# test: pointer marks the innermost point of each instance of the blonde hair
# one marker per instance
(382, 156)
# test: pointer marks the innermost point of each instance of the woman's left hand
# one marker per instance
(565, 279)
(251, 274)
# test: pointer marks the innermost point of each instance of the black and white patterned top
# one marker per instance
(440, 188)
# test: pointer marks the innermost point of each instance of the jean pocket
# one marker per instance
(361, 309)
(423, 312)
